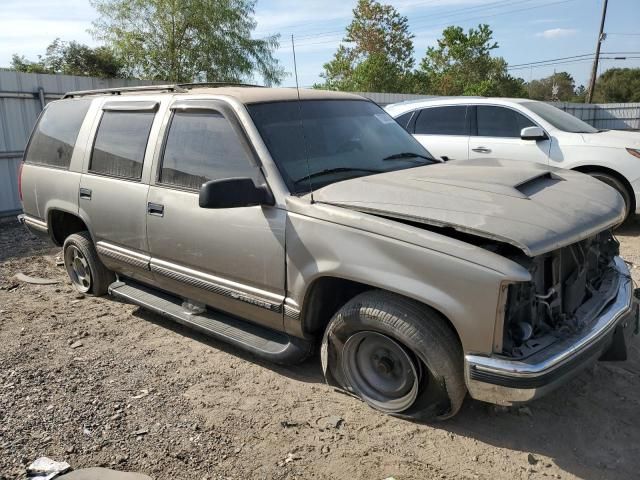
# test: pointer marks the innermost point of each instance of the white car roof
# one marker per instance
(409, 105)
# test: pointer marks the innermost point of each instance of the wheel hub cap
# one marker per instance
(381, 371)
(78, 269)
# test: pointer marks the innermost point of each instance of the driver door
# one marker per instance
(232, 258)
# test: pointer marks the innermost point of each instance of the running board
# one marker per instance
(269, 344)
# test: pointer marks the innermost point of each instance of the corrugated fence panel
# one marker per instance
(20, 105)
(616, 116)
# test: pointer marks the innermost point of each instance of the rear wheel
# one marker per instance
(397, 355)
(620, 187)
(86, 272)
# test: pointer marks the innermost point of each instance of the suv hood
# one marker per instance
(530, 206)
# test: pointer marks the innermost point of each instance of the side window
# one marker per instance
(404, 119)
(500, 122)
(443, 121)
(202, 146)
(55, 134)
(120, 143)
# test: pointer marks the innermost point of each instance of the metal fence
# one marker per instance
(614, 116)
(23, 95)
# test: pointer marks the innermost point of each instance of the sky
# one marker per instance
(526, 30)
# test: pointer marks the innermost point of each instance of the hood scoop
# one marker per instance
(536, 184)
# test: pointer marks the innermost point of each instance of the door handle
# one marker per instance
(481, 150)
(85, 193)
(155, 209)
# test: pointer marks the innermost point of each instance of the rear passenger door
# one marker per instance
(444, 131)
(498, 136)
(231, 259)
(115, 183)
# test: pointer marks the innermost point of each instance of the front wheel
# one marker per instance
(86, 272)
(399, 356)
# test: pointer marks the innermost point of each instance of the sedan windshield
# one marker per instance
(559, 119)
(318, 142)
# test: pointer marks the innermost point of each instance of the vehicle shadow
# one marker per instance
(588, 427)
(308, 371)
(17, 242)
(631, 228)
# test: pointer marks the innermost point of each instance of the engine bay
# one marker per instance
(568, 289)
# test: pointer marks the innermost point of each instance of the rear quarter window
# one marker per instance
(120, 144)
(55, 134)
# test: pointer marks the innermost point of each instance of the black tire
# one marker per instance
(99, 277)
(422, 331)
(620, 187)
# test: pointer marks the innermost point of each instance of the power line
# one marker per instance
(583, 57)
(429, 3)
(489, 6)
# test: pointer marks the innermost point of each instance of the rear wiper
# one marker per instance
(406, 155)
(336, 170)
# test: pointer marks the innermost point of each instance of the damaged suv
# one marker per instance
(278, 220)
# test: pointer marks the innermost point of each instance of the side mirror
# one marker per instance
(533, 133)
(234, 193)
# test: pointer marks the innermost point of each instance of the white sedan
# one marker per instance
(468, 127)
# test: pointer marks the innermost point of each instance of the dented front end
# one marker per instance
(568, 287)
(579, 306)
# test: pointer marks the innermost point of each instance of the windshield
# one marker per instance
(341, 139)
(559, 119)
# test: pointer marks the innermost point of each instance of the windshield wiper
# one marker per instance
(336, 170)
(407, 155)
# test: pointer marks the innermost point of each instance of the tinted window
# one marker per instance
(442, 121)
(55, 134)
(319, 142)
(120, 143)
(501, 122)
(404, 119)
(203, 146)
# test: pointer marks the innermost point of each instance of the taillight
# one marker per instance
(20, 180)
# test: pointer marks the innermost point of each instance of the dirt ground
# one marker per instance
(95, 382)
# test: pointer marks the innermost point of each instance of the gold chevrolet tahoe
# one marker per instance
(282, 221)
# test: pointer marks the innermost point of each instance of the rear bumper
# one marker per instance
(506, 382)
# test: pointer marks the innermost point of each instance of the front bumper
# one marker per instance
(507, 382)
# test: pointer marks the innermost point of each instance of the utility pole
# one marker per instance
(594, 70)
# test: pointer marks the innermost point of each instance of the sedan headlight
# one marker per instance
(634, 151)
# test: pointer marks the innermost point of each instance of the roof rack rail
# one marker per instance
(216, 84)
(176, 87)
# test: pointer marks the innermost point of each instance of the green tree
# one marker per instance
(376, 53)
(543, 89)
(618, 85)
(71, 58)
(461, 64)
(187, 40)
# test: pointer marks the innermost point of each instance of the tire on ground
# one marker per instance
(101, 277)
(418, 328)
(620, 187)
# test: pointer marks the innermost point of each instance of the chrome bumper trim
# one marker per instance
(503, 381)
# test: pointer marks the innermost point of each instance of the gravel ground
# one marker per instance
(96, 382)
